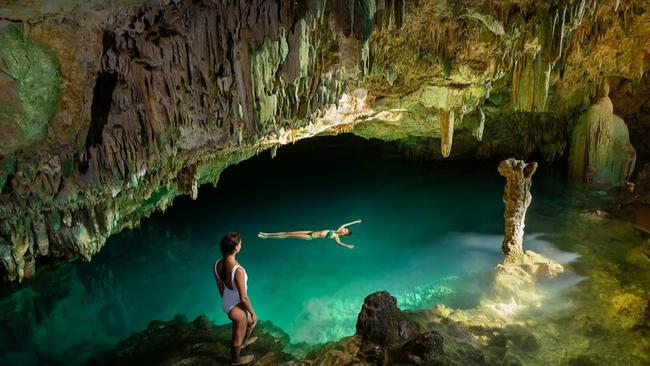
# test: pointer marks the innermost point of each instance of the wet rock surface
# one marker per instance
(635, 206)
(179, 342)
(383, 323)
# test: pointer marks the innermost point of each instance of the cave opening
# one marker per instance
(431, 234)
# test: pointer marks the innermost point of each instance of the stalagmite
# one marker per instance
(478, 131)
(446, 131)
(514, 286)
(516, 198)
(601, 152)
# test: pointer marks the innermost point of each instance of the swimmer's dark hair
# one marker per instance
(229, 243)
(349, 232)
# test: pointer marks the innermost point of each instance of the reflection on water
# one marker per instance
(431, 233)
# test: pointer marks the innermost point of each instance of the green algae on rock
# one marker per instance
(30, 85)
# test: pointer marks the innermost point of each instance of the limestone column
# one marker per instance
(516, 198)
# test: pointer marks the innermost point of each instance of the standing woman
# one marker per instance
(232, 283)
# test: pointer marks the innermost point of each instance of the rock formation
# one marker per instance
(196, 343)
(635, 206)
(516, 199)
(515, 278)
(110, 109)
(385, 336)
(601, 152)
(382, 323)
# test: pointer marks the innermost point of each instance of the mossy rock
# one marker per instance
(30, 84)
(631, 311)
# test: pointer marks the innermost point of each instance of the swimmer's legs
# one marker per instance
(305, 235)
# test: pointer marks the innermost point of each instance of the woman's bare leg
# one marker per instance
(239, 322)
(248, 340)
(305, 234)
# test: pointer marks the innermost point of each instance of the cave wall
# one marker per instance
(108, 110)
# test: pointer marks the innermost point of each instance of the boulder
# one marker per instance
(383, 323)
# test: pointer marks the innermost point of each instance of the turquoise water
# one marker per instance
(430, 232)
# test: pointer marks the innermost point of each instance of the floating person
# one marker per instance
(232, 282)
(309, 235)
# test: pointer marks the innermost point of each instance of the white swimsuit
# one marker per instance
(230, 297)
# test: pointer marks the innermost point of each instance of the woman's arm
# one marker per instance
(240, 281)
(220, 286)
(219, 281)
(350, 223)
(339, 242)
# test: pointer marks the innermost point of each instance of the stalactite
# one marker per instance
(478, 131)
(446, 131)
(40, 236)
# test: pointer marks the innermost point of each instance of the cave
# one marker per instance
(346, 182)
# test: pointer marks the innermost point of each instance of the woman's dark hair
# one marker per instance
(229, 243)
(349, 232)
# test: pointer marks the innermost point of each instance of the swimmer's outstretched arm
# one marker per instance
(339, 242)
(350, 223)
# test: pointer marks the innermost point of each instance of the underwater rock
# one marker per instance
(582, 360)
(516, 198)
(601, 152)
(631, 311)
(423, 349)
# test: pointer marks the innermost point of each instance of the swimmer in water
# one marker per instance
(318, 234)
